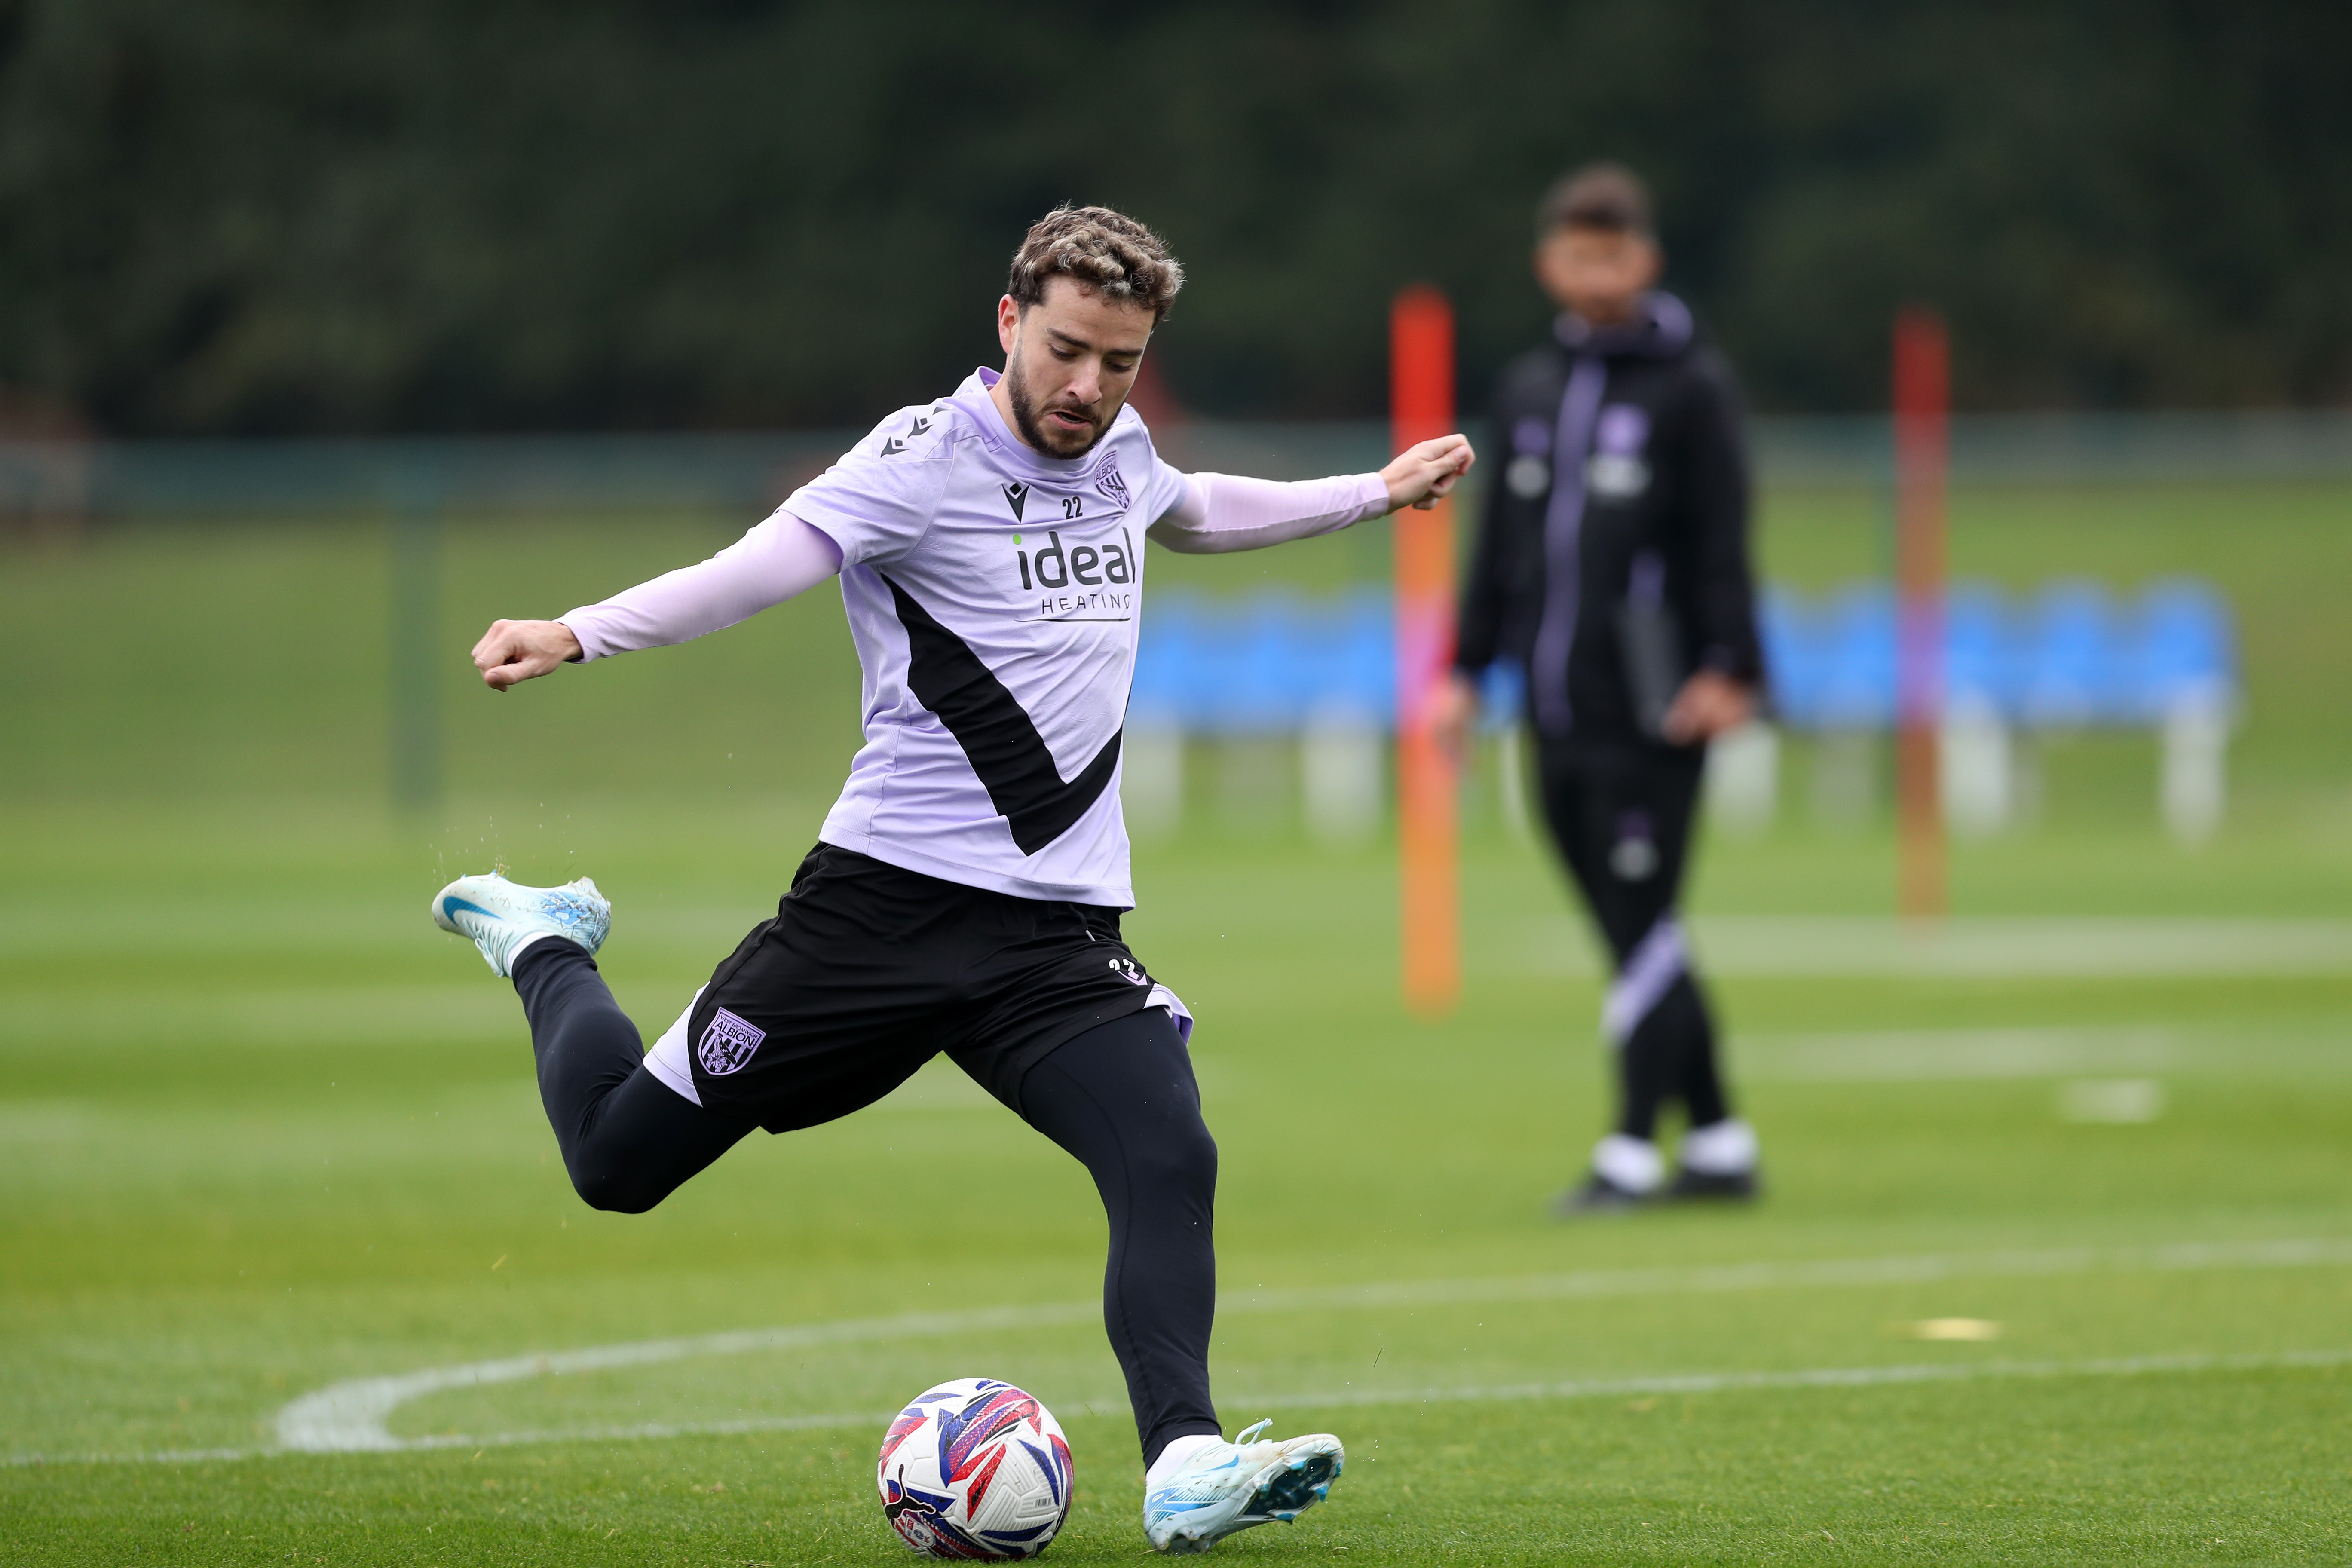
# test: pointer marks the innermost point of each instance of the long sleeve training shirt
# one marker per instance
(994, 595)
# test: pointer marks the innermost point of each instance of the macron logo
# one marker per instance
(1016, 496)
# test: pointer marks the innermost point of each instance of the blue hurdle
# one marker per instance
(1261, 666)
(2070, 656)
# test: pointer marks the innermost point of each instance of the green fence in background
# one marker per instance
(645, 472)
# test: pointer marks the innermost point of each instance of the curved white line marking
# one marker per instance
(353, 1416)
(349, 1417)
(1671, 1383)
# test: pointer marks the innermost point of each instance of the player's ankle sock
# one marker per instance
(539, 948)
(1725, 1147)
(1628, 1164)
(529, 939)
(1171, 1457)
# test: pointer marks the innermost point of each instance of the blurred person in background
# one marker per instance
(1612, 565)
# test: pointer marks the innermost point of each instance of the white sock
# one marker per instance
(1171, 1458)
(1725, 1147)
(523, 942)
(1632, 1165)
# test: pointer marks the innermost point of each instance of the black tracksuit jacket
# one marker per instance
(1654, 416)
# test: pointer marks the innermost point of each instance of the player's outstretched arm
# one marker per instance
(1222, 512)
(778, 560)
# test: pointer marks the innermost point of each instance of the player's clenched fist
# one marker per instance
(518, 651)
(1423, 472)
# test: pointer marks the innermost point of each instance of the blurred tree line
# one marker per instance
(280, 216)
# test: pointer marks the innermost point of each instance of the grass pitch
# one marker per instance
(264, 1132)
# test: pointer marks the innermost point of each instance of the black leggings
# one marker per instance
(1621, 817)
(1119, 1097)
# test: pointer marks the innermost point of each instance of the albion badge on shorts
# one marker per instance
(727, 1044)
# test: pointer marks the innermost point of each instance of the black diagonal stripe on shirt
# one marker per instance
(995, 733)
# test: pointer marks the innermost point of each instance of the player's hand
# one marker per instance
(1709, 703)
(1452, 708)
(518, 650)
(1427, 471)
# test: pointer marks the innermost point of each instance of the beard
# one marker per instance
(1033, 430)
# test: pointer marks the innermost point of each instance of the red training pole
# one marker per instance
(1420, 394)
(1922, 460)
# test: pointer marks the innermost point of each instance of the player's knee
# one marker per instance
(1183, 1160)
(613, 1187)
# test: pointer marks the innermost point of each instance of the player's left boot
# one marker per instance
(1597, 1196)
(1229, 1486)
(502, 918)
(1626, 1174)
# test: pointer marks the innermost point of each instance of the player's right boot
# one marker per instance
(1598, 1196)
(1712, 1186)
(502, 918)
(1230, 1487)
(1718, 1163)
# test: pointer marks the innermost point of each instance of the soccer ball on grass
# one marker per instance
(975, 1469)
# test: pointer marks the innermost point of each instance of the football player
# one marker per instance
(965, 892)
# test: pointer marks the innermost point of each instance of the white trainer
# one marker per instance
(502, 918)
(1230, 1487)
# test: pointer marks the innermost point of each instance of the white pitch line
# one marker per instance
(1711, 1278)
(1815, 1377)
(1929, 1056)
(350, 1416)
(1694, 1382)
(1974, 946)
(157, 1456)
(353, 1416)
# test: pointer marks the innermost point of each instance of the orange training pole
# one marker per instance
(1922, 457)
(1421, 393)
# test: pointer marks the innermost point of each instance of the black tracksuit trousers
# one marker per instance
(1620, 813)
(1121, 1097)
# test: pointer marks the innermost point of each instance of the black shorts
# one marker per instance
(868, 971)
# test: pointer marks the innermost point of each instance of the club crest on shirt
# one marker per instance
(727, 1044)
(1108, 481)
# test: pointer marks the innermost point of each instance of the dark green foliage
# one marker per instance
(272, 216)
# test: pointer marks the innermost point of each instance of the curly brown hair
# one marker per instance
(1101, 251)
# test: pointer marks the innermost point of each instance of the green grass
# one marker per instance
(261, 1130)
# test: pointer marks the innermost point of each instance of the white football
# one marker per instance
(975, 1469)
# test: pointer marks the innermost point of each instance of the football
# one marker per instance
(975, 1469)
